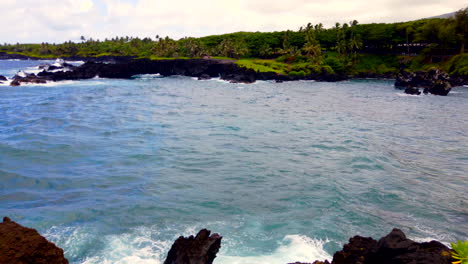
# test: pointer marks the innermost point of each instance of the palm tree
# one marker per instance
(461, 27)
(319, 27)
(265, 50)
(409, 30)
(355, 43)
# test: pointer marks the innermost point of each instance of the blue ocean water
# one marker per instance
(113, 171)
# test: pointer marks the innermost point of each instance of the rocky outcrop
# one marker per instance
(434, 81)
(412, 90)
(200, 68)
(21, 245)
(201, 249)
(204, 77)
(394, 248)
(3, 78)
(27, 78)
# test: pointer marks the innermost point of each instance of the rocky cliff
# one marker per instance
(21, 245)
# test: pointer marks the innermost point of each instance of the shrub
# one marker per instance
(336, 64)
(297, 73)
(461, 252)
(327, 69)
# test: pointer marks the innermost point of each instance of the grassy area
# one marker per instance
(264, 65)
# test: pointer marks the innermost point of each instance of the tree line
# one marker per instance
(339, 46)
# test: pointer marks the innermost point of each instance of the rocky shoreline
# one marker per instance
(202, 69)
(434, 81)
(24, 245)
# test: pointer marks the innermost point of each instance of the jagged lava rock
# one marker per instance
(394, 248)
(434, 81)
(3, 78)
(28, 78)
(204, 77)
(201, 249)
(412, 90)
(21, 245)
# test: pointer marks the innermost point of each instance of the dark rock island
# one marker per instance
(433, 81)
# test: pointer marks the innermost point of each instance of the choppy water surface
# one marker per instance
(114, 170)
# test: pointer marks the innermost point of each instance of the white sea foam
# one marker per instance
(21, 74)
(75, 62)
(5, 83)
(48, 83)
(58, 62)
(145, 245)
(410, 95)
(34, 70)
(293, 248)
(137, 248)
(147, 76)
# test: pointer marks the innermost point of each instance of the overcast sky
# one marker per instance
(34, 21)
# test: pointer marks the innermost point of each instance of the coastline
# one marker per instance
(434, 81)
(19, 244)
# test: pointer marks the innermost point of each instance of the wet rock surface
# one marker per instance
(201, 249)
(27, 78)
(394, 248)
(21, 245)
(434, 81)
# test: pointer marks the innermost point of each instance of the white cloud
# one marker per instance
(58, 21)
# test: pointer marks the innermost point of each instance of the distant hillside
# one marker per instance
(448, 15)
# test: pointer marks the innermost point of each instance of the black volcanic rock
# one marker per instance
(15, 83)
(201, 249)
(28, 78)
(412, 90)
(21, 245)
(227, 70)
(204, 77)
(434, 81)
(394, 248)
(3, 78)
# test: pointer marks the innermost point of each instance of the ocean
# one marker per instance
(113, 171)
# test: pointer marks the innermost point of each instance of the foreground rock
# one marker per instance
(434, 81)
(201, 249)
(21, 245)
(3, 78)
(394, 248)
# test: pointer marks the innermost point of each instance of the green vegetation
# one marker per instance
(460, 252)
(348, 48)
(264, 65)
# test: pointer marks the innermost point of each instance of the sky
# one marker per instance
(35, 21)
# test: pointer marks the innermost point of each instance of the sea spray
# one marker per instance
(291, 249)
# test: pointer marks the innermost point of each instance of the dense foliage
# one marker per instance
(349, 48)
(460, 252)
